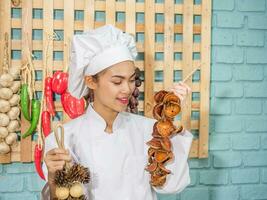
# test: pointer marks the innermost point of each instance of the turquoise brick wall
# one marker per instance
(237, 165)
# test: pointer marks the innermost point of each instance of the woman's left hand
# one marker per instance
(181, 90)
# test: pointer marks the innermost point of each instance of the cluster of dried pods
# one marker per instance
(160, 146)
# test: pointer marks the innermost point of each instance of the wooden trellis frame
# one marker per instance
(188, 9)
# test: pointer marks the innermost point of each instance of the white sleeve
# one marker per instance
(50, 143)
(179, 177)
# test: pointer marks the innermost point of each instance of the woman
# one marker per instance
(106, 139)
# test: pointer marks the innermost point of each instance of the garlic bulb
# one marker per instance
(4, 148)
(15, 86)
(11, 138)
(6, 93)
(62, 192)
(4, 106)
(4, 119)
(13, 126)
(6, 80)
(76, 190)
(14, 100)
(13, 113)
(3, 132)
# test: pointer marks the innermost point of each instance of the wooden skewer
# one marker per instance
(190, 74)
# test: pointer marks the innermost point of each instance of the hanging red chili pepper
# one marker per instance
(37, 161)
(46, 123)
(49, 96)
(72, 106)
(60, 82)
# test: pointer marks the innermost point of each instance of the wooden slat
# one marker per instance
(130, 17)
(110, 12)
(89, 14)
(187, 56)
(149, 56)
(168, 43)
(26, 144)
(68, 33)
(205, 79)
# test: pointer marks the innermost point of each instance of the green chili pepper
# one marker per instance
(24, 98)
(36, 107)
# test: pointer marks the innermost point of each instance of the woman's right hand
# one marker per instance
(55, 159)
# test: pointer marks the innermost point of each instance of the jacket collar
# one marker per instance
(97, 120)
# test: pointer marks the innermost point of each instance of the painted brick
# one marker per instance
(256, 89)
(264, 175)
(229, 90)
(230, 20)
(230, 55)
(264, 142)
(199, 163)
(11, 183)
(257, 22)
(250, 38)
(265, 107)
(248, 106)
(20, 196)
(17, 168)
(229, 124)
(221, 72)
(34, 183)
(223, 193)
(195, 193)
(214, 177)
(222, 37)
(248, 73)
(254, 192)
(223, 5)
(245, 176)
(257, 158)
(193, 177)
(219, 142)
(256, 124)
(245, 142)
(248, 5)
(256, 55)
(220, 106)
(226, 159)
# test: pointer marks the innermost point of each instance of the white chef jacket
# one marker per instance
(117, 161)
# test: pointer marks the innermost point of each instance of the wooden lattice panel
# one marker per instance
(173, 38)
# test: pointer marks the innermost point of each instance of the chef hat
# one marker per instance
(96, 50)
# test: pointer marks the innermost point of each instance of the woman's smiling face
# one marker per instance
(114, 86)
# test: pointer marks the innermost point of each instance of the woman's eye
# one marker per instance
(117, 83)
(132, 80)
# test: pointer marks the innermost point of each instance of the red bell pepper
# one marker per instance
(46, 123)
(60, 82)
(49, 96)
(37, 161)
(72, 106)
